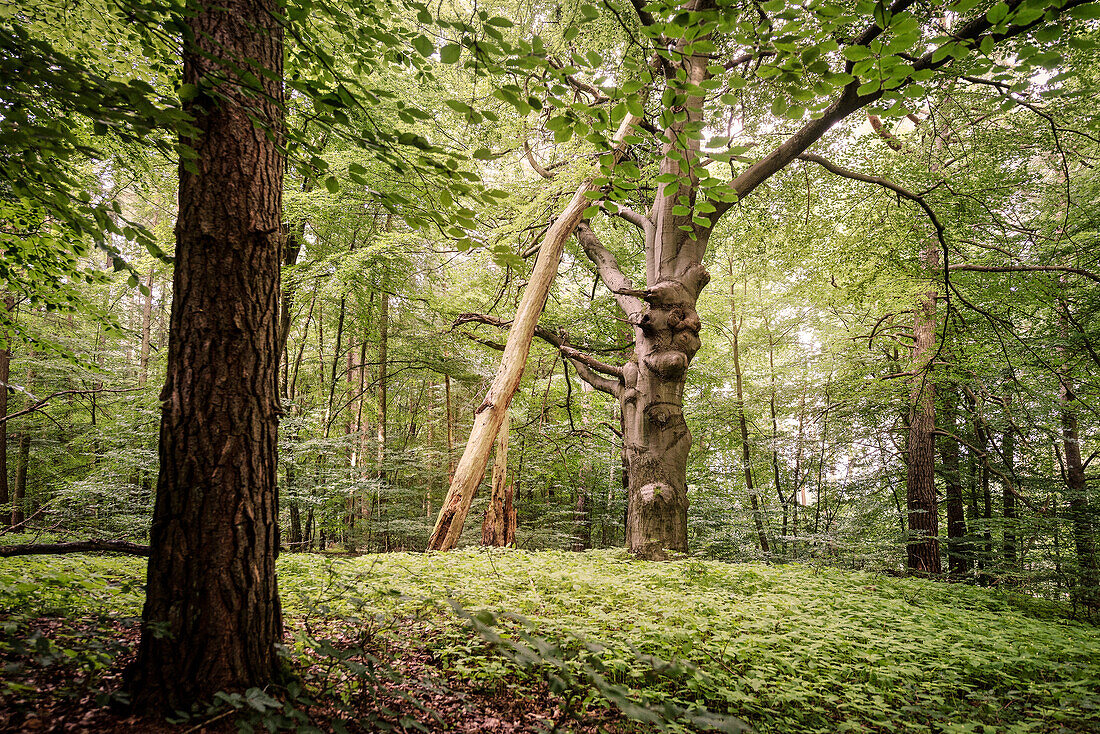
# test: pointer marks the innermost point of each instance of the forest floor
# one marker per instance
(515, 641)
(50, 688)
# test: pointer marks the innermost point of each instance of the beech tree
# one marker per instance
(685, 73)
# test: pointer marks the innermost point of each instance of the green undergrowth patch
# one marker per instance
(785, 648)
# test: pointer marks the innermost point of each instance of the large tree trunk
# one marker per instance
(922, 552)
(211, 618)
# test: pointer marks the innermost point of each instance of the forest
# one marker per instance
(618, 366)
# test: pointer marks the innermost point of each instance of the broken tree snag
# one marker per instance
(494, 529)
(471, 466)
(81, 546)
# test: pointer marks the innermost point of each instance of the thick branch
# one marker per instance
(640, 221)
(534, 163)
(1025, 269)
(972, 32)
(555, 338)
(81, 546)
(608, 268)
(886, 135)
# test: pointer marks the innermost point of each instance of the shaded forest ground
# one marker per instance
(393, 639)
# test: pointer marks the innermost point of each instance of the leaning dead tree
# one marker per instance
(489, 416)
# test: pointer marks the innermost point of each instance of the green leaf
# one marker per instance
(449, 54)
(332, 185)
(997, 13)
(423, 45)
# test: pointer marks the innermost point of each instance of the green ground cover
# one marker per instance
(785, 648)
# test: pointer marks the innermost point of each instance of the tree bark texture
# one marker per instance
(212, 618)
(500, 514)
(922, 551)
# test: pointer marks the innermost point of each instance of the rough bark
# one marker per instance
(922, 551)
(211, 618)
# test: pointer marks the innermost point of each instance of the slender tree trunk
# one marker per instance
(146, 329)
(212, 618)
(5, 373)
(742, 423)
(22, 461)
(450, 431)
(1087, 587)
(820, 493)
(383, 368)
(923, 554)
(774, 442)
(295, 540)
(494, 528)
(797, 479)
(958, 564)
(23, 457)
(293, 239)
(1008, 496)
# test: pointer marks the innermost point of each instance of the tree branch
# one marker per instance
(1025, 269)
(640, 221)
(535, 164)
(850, 100)
(608, 268)
(41, 403)
(558, 340)
(899, 190)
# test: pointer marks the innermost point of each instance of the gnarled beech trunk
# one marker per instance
(655, 436)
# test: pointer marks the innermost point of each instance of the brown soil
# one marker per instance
(58, 675)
